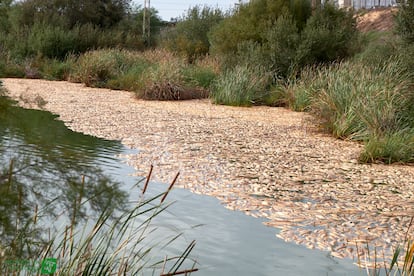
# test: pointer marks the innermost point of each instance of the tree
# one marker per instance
(4, 14)
(190, 35)
(327, 36)
(101, 13)
(251, 22)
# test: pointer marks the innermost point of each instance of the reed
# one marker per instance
(241, 86)
(116, 243)
(371, 104)
(400, 264)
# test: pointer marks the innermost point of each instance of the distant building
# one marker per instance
(358, 4)
(365, 4)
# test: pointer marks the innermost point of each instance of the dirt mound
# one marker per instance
(376, 20)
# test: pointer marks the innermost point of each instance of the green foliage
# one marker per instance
(248, 53)
(10, 68)
(377, 48)
(283, 37)
(68, 13)
(199, 76)
(405, 21)
(152, 75)
(56, 28)
(328, 36)
(166, 80)
(241, 86)
(54, 69)
(4, 15)
(49, 41)
(282, 41)
(252, 20)
(130, 78)
(362, 102)
(390, 147)
(189, 36)
(96, 68)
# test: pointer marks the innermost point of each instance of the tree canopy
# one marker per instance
(102, 13)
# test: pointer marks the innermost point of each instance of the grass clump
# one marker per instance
(152, 75)
(170, 77)
(363, 103)
(241, 86)
(389, 148)
(97, 68)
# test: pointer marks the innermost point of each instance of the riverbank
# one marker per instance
(267, 162)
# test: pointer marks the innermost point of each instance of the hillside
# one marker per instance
(376, 20)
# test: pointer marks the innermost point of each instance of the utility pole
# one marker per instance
(146, 24)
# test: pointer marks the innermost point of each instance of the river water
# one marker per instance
(48, 160)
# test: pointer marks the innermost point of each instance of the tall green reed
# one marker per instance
(372, 104)
(116, 243)
(243, 85)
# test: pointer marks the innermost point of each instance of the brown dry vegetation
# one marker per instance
(376, 19)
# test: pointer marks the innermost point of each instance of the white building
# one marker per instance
(365, 4)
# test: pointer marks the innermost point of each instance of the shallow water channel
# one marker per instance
(49, 159)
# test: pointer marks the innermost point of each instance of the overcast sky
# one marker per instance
(171, 9)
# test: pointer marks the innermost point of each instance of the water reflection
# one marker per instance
(49, 161)
(49, 173)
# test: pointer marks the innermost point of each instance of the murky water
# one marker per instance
(49, 160)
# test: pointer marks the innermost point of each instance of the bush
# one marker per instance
(96, 68)
(53, 69)
(9, 69)
(282, 42)
(328, 36)
(199, 76)
(189, 36)
(241, 86)
(166, 81)
(252, 20)
(370, 104)
(51, 41)
(377, 48)
(405, 21)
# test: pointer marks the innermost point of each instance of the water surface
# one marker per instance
(48, 162)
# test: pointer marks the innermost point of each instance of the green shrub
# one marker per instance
(199, 76)
(359, 100)
(282, 42)
(405, 21)
(377, 48)
(96, 68)
(53, 69)
(189, 36)
(248, 53)
(252, 20)
(51, 41)
(370, 104)
(327, 36)
(241, 86)
(11, 70)
(299, 93)
(131, 78)
(166, 81)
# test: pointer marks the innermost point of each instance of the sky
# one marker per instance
(168, 9)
